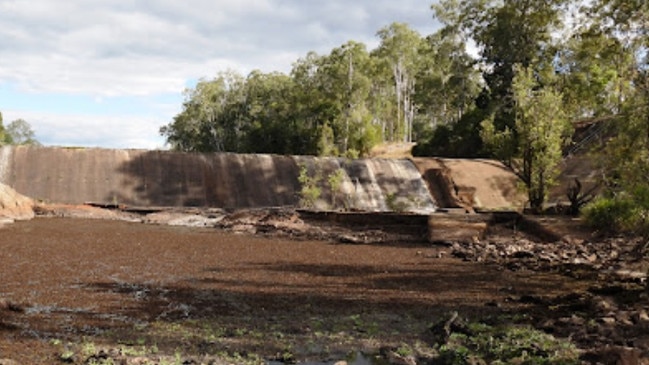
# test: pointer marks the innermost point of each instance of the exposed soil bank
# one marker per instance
(14, 206)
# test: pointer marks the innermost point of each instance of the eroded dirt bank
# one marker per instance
(76, 288)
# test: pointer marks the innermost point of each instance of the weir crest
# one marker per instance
(223, 180)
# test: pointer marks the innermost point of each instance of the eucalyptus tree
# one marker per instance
(542, 127)
(345, 80)
(268, 124)
(626, 23)
(312, 113)
(399, 51)
(594, 71)
(507, 33)
(210, 117)
(20, 132)
(448, 80)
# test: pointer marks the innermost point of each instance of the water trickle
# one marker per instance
(5, 155)
(374, 185)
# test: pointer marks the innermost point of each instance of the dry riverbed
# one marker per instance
(262, 288)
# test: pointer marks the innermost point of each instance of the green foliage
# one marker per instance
(508, 33)
(326, 144)
(311, 182)
(339, 104)
(335, 181)
(460, 140)
(506, 345)
(309, 187)
(399, 52)
(18, 132)
(394, 204)
(532, 148)
(625, 212)
(612, 214)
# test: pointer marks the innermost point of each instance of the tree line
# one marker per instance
(17, 132)
(540, 67)
(342, 103)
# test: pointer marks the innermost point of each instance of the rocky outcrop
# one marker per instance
(14, 206)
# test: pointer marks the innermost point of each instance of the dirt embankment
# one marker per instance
(14, 206)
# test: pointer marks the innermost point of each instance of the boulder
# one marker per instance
(454, 228)
(14, 206)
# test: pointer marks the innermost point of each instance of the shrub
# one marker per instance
(622, 213)
(335, 181)
(506, 345)
(309, 191)
(609, 214)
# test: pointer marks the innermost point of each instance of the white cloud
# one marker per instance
(106, 49)
(86, 130)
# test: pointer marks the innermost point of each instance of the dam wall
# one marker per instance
(144, 178)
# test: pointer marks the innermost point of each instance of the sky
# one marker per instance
(110, 73)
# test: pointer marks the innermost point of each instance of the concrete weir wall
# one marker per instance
(225, 180)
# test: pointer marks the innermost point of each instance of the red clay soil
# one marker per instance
(108, 282)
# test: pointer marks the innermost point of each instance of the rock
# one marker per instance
(631, 275)
(341, 362)
(8, 362)
(624, 318)
(574, 320)
(442, 330)
(609, 321)
(348, 238)
(641, 343)
(522, 254)
(7, 305)
(548, 325)
(641, 316)
(614, 356)
(396, 359)
(604, 305)
(448, 228)
(139, 360)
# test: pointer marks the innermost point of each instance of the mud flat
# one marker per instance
(112, 283)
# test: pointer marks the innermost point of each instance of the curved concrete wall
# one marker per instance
(165, 178)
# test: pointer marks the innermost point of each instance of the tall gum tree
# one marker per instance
(399, 50)
(626, 156)
(344, 78)
(534, 153)
(507, 33)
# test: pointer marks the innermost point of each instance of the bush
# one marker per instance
(506, 345)
(609, 214)
(622, 213)
(309, 188)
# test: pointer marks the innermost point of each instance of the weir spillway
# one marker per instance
(223, 180)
